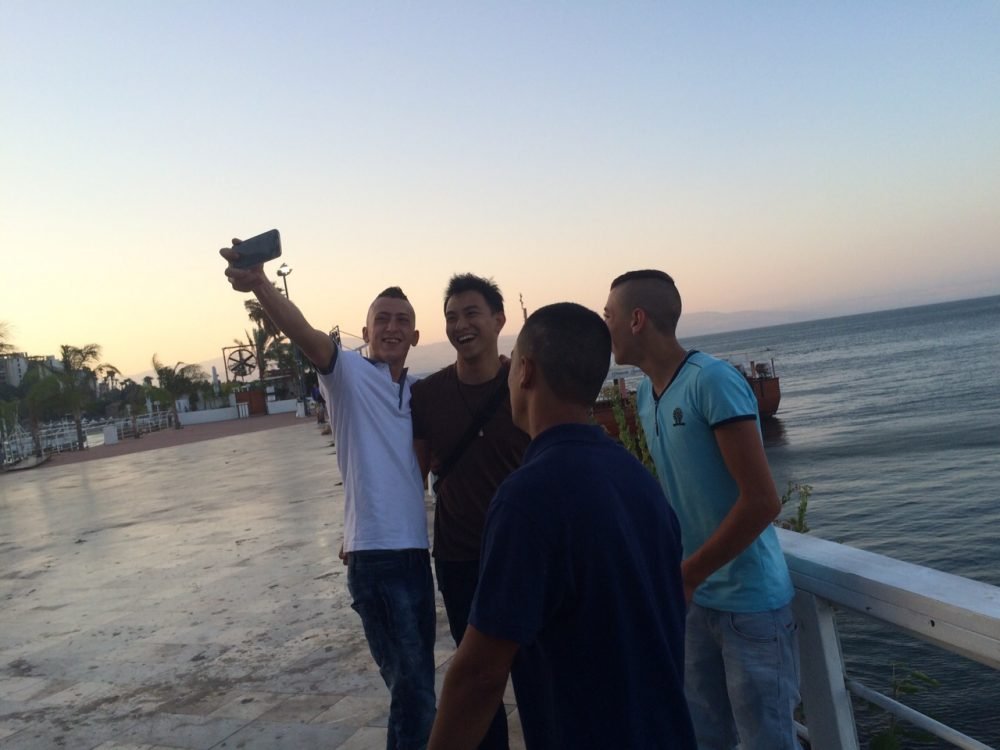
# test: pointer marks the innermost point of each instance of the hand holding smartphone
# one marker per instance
(257, 250)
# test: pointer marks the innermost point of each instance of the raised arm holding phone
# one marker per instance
(316, 345)
(385, 524)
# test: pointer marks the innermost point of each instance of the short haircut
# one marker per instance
(654, 292)
(571, 346)
(468, 282)
(392, 292)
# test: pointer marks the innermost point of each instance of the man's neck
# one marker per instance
(660, 362)
(541, 419)
(479, 370)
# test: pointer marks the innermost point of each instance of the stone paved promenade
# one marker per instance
(187, 595)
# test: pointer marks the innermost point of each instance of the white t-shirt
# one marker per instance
(384, 506)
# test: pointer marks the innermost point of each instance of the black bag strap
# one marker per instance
(474, 427)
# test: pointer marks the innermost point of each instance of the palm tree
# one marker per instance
(134, 396)
(44, 398)
(258, 340)
(79, 365)
(8, 424)
(259, 317)
(289, 359)
(282, 353)
(5, 346)
(264, 335)
(262, 343)
(111, 380)
(179, 380)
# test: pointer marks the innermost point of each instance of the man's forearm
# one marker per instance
(467, 706)
(744, 523)
(473, 690)
(315, 344)
(755, 507)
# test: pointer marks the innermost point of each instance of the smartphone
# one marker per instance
(259, 249)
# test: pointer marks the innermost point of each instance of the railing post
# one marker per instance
(827, 704)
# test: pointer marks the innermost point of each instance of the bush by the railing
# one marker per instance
(895, 735)
(798, 521)
(634, 440)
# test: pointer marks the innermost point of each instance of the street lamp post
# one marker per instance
(283, 271)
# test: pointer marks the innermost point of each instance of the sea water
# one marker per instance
(894, 419)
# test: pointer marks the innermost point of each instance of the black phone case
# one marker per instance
(259, 249)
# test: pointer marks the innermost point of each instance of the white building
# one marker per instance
(13, 367)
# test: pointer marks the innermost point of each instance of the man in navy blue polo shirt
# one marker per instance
(580, 596)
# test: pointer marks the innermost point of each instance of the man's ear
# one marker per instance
(638, 320)
(528, 374)
(501, 320)
(415, 338)
(364, 335)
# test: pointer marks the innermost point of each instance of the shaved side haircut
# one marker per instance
(571, 346)
(392, 292)
(654, 292)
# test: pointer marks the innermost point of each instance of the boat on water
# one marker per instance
(764, 383)
(760, 376)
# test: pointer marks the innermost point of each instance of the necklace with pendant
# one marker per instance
(465, 402)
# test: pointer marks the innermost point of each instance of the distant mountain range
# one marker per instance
(427, 358)
(704, 323)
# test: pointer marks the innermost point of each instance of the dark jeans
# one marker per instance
(457, 584)
(393, 592)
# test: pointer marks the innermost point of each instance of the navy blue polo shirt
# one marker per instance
(581, 566)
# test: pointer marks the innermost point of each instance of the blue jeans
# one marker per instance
(393, 592)
(741, 678)
(457, 583)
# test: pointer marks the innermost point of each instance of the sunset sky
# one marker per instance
(815, 157)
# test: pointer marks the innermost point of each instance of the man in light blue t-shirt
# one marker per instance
(702, 427)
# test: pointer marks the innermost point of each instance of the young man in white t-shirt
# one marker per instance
(385, 525)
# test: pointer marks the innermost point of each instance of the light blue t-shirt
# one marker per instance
(704, 394)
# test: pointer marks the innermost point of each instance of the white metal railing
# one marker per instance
(59, 437)
(948, 611)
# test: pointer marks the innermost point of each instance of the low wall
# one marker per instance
(204, 416)
(207, 415)
(282, 407)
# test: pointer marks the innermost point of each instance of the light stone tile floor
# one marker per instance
(186, 597)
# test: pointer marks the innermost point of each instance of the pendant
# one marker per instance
(480, 432)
